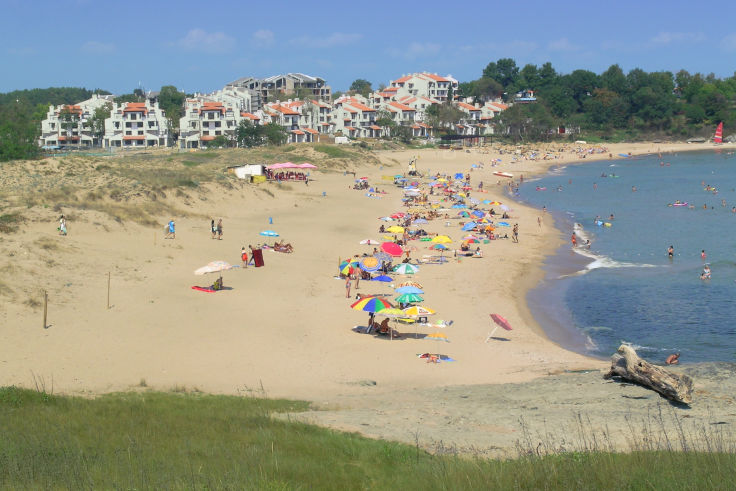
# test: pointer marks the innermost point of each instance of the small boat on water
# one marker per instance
(503, 174)
(679, 203)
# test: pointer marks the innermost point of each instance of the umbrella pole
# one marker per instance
(490, 334)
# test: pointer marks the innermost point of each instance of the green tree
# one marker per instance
(97, 121)
(504, 71)
(18, 132)
(219, 141)
(275, 134)
(249, 135)
(361, 86)
(171, 101)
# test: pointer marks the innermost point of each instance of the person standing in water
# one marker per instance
(671, 251)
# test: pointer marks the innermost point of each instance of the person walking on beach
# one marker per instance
(515, 233)
(171, 233)
(212, 228)
(347, 286)
(62, 225)
(219, 229)
(574, 240)
(244, 257)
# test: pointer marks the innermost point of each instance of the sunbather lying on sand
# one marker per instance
(281, 247)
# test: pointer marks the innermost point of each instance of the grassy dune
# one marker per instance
(143, 186)
(149, 440)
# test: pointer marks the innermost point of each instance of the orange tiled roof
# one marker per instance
(398, 105)
(135, 107)
(352, 128)
(374, 127)
(134, 137)
(310, 130)
(402, 79)
(467, 106)
(206, 138)
(436, 78)
(249, 116)
(285, 110)
(359, 105)
(297, 132)
(390, 89)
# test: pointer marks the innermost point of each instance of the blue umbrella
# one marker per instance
(486, 201)
(409, 289)
(469, 226)
(458, 175)
(503, 224)
(419, 221)
(383, 277)
(269, 233)
(459, 205)
(478, 213)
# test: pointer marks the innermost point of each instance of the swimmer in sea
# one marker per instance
(671, 251)
(705, 275)
(673, 359)
(702, 254)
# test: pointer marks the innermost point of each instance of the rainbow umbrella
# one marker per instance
(372, 304)
(409, 298)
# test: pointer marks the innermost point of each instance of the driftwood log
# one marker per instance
(625, 363)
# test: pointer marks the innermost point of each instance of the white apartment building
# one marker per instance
(136, 124)
(67, 125)
(203, 121)
(354, 118)
(425, 84)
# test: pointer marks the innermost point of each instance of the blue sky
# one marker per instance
(200, 46)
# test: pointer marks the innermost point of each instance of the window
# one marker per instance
(229, 124)
(210, 115)
(217, 124)
(205, 132)
(140, 132)
(128, 132)
(151, 124)
(132, 116)
(128, 125)
(53, 125)
(193, 124)
(117, 125)
(218, 132)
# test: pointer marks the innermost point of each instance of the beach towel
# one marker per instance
(206, 289)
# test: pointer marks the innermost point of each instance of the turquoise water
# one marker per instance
(625, 288)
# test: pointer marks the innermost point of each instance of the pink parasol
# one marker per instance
(500, 321)
(392, 248)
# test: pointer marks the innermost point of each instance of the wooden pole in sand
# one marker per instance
(45, 306)
(108, 289)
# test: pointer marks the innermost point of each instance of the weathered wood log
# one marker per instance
(626, 363)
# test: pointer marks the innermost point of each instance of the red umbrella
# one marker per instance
(500, 321)
(392, 248)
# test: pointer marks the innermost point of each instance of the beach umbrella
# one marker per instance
(471, 236)
(306, 165)
(213, 267)
(463, 213)
(500, 322)
(486, 202)
(419, 221)
(503, 224)
(438, 247)
(437, 336)
(410, 283)
(383, 278)
(372, 304)
(459, 205)
(409, 289)
(382, 256)
(469, 226)
(348, 266)
(479, 213)
(496, 203)
(392, 248)
(269, 233)
(398, 215)
(406, 268)
(369, 242)
(395, 229)
(418, 311)
(474, 201)
(386, 219)
(441, 239)
(370, 264)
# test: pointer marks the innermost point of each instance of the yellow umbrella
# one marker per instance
(395, 229)
(418, 311)
(441, 239)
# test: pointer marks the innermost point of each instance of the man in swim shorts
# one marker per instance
(671, 251)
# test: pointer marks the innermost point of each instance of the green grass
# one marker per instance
(9, 222)
(156, 440)
(334, 151)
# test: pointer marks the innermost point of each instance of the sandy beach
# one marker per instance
(286, 329)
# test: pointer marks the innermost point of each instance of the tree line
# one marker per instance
(637, 103)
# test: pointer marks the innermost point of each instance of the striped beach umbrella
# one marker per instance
(372, 304)
(406, 268)
(409, 298)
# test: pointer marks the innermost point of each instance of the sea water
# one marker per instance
(624, 288)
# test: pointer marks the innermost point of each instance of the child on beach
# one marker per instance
(62, 225)
(171, 233)
(244, 257)
(219, 229)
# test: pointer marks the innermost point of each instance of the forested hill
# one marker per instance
(52, 95)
